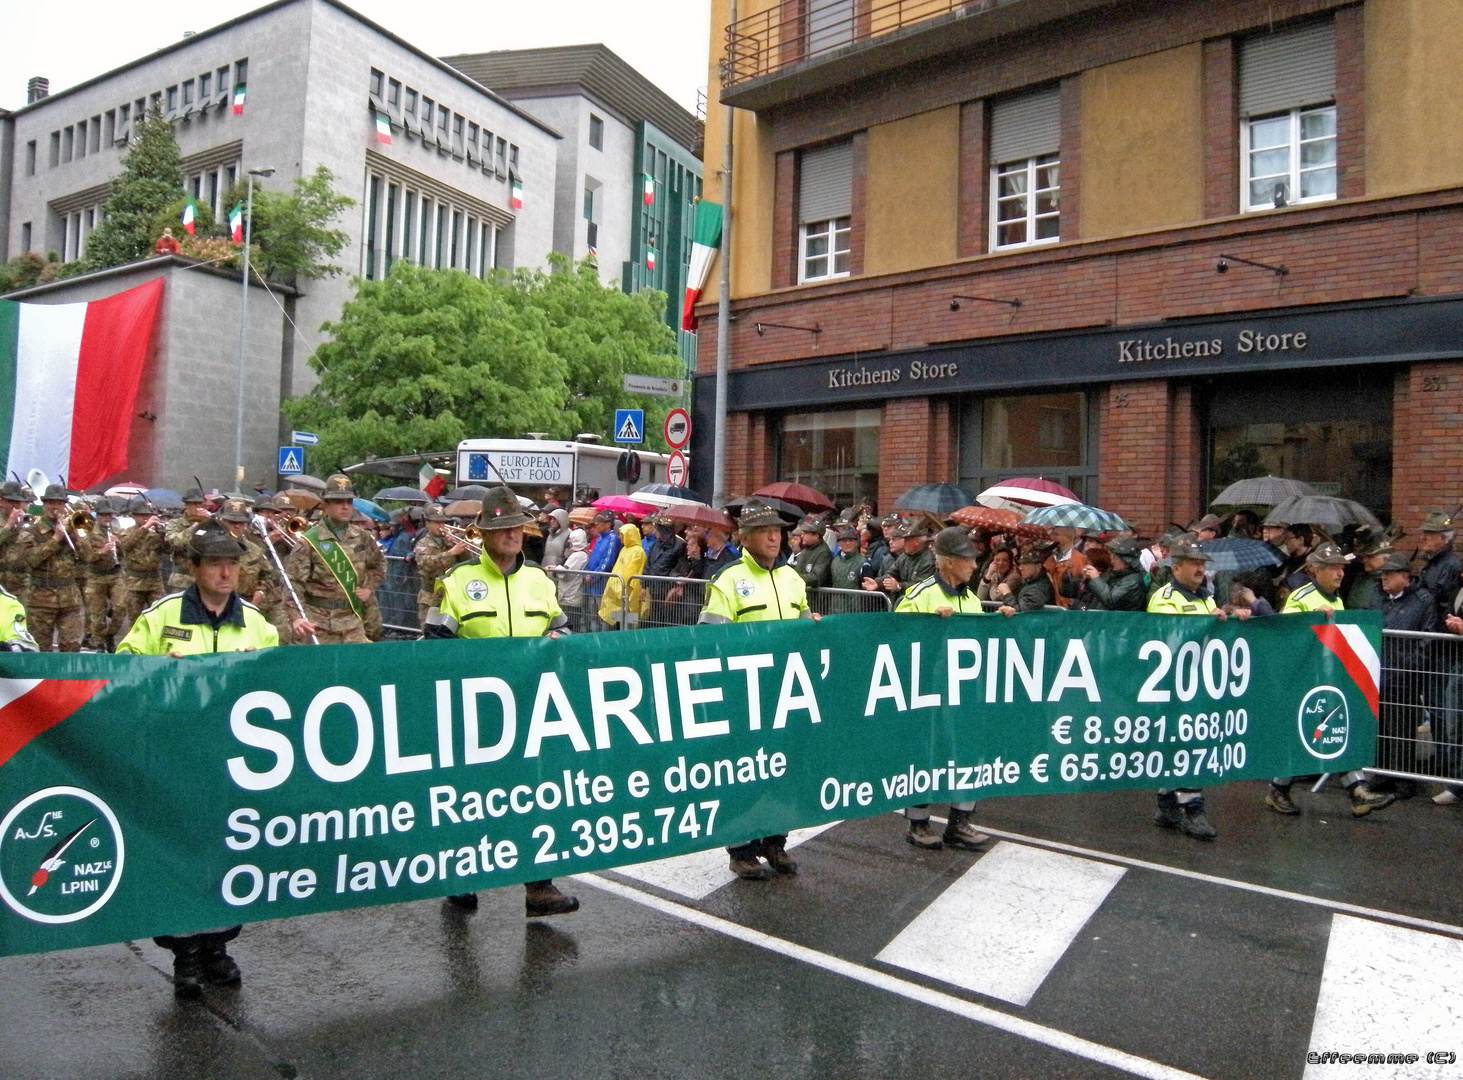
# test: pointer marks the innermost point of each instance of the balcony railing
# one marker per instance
(795, 31)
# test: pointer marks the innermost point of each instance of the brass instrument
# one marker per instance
(82, 522)
(291, 532)
(470, 537)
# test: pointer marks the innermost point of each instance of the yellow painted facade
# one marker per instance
(1414, 82)
(1143, 143)
(912, 192)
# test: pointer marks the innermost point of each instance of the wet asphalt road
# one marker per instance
(1169, 972)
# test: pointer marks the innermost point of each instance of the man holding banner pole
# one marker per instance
(759, 587)
(501, 595)
(206, 617)
(336, 568)
(1183, 808)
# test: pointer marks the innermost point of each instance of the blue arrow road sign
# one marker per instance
(304, 438)
(630, 425)
(291, 461)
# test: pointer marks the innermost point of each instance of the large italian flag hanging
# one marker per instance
(69, 375)
(704, 242)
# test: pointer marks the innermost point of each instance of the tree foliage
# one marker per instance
(150, 183)
(293, 234)
(426, 358)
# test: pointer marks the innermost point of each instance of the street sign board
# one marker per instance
(629, 425)
(675, 469)
(304, 438)
(291, 461)
(677, 429)
(654, 385)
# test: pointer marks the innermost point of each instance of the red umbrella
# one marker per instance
(999, 521)
(1025, 492)
(693, 514)
(800, 495)
(619, 504)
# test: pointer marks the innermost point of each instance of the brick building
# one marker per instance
(1140, 247)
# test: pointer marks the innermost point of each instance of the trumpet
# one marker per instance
(470, 537)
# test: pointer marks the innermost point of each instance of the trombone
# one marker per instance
(470, 537)
(290, 534)
(83, 523)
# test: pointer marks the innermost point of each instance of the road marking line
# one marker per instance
(1002, 927)
(1194, 875)
(1014, 1025)
(698, 875)
(1388, 990)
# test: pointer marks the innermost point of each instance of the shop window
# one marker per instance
(1047, 435)
(1287, 95)
(835, 452)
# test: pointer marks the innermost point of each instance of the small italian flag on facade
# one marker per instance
(239, 100)
(705, 239)
(188, 218)
(649, 189)
(515, 193)
(650, 257)
(236, 223)
(383, 129)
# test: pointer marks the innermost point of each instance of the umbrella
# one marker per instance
(623, 504)
(800, 495)
(1076, 516)
(786, 509)
(124, 491)
(698, 514)
(1262, 491)
(164, 498)
(302, 500)
(371, 510)
(999, 521)
(467, 491)
(314, 483)
(1025, 492)
(942, 500)
(1324, 511)
(667, 495)
(582, 516)
(404, 494)
(1233, 553)
(463, 508)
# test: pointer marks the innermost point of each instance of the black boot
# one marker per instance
(1167, 816)
(218, 967)
(464, 901)
(187, 969)
(1192, 821)
(745, 864)
(960, 834)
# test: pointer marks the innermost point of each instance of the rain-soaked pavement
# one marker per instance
(1083, 943)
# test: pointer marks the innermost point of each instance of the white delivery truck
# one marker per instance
(574, 470)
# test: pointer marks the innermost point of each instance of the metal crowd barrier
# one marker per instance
(849, 601)
(1420, 730)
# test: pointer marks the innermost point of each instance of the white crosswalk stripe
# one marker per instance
(699, 875)
(1388, 989)
(1003, 926)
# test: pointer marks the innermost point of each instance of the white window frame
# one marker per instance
(1293, 146)
(1031, 165)
(832, 229)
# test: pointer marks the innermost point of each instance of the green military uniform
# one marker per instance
(141, 548)
(178, 535)
(433, 561)
(54, 603)
(278, 608)
(14, 636)
(328, 564)
(13, 573)
(911, 567)
(103, 592)
(744, 592)
(477, 600)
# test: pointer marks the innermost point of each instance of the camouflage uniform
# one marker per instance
(179, 535)
(325, 603)
(141, 548)
(277, 606)
(433, 560)
(54, 605)
(104, 590)
(13, 574)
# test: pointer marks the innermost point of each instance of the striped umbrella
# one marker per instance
(1262, 491)
(1024, 492)
(1076, 516)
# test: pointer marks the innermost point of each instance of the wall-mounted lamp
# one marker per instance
(763, 327)
(1222, 266)
(955, 301)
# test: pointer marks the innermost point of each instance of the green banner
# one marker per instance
(145, 796)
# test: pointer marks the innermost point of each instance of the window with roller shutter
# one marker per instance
(1287, 107)
(825, 211)
(1025, 156)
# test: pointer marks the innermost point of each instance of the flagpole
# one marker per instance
(723, 300)
(244, 327)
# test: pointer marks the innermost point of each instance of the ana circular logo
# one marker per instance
(1324, 722)
(476, 589)
(61, 855)
(745, 588)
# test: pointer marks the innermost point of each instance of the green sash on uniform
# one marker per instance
(333, 555)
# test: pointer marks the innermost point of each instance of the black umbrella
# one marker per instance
(785, 509)
(467, 491)
(164, 498)
(1233, 554)
(403, 494)
(1262, 491)
(1324, 511)
(942, 500)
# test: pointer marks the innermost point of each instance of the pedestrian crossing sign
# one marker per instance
(629, 425)
(291, 461)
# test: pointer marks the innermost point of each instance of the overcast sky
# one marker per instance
(77, 39)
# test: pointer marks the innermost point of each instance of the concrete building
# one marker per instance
(466, 179)
(619, 130)
(1234, 229)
